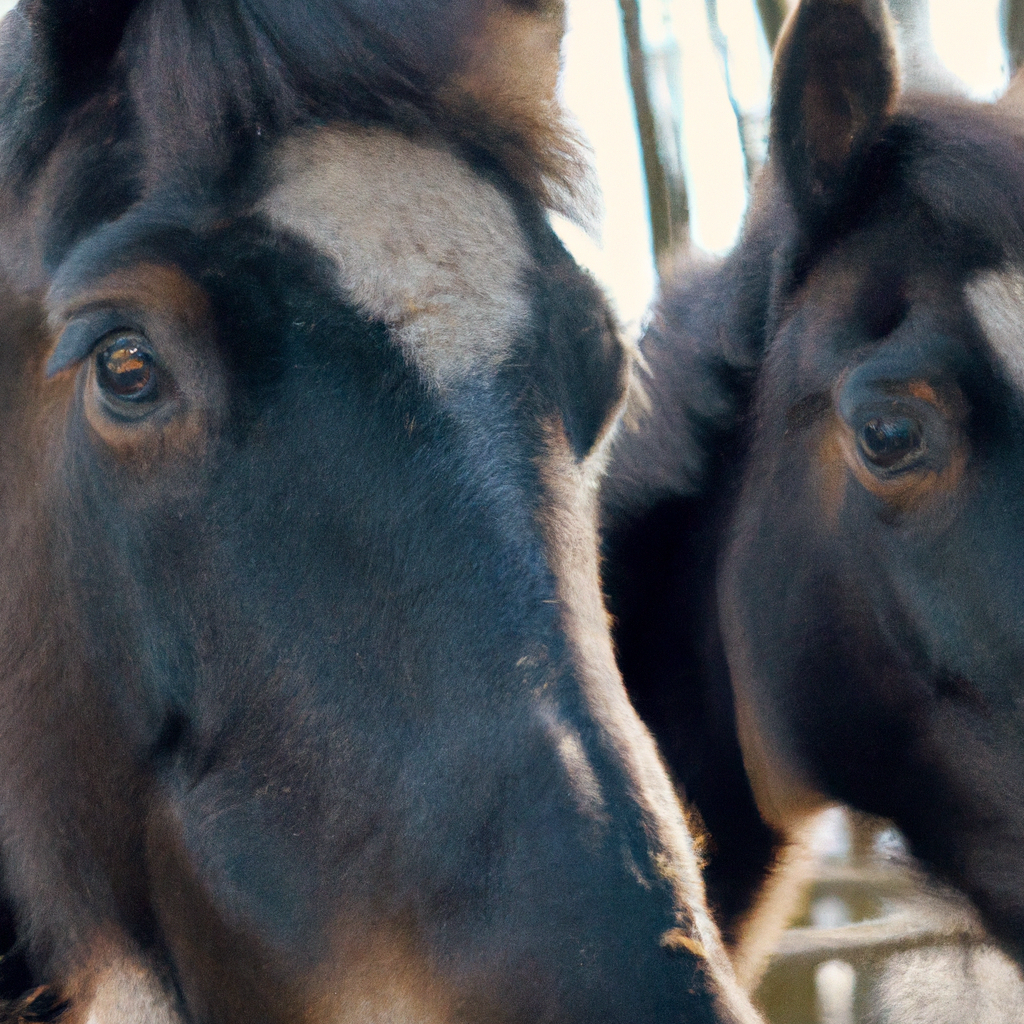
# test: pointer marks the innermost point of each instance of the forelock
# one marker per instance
(962, 166)
(212, 82)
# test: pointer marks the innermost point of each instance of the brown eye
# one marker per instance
(892, 443)
(126, 369)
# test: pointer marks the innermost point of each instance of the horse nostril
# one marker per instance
(20, 998)
(953, 686)
(15, 974)
(171, 736)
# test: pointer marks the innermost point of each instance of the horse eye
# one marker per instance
(891, 443)
(126, 369)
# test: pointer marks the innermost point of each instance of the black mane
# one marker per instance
(232, 75)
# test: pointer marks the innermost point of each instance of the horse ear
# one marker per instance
(493, 64)
(510, 59)
(833, 88)
(503, 55)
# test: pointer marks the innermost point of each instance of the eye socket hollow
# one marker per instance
(891, 442)
(125, 368)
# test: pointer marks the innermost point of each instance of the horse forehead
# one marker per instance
(996, 298)
(420, 241)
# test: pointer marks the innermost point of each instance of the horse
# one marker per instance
(812, 533)
(309, 705)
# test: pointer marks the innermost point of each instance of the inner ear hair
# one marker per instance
(834, 86)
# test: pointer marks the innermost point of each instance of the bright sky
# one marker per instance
(966, 38)
(618, 252)
(964, 32)
(594, 88)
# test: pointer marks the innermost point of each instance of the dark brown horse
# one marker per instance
(814, 532)
(308, 710)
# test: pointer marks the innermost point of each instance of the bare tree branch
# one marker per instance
(721, 45)
(659, 194)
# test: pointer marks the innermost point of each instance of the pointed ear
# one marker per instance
(834, 86)
(509, 68)
(52, 54)
(493, 65)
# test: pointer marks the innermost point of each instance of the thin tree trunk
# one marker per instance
(920, 67)
(721, 45)
(660, 197)
(773, 14)
(1011, 17)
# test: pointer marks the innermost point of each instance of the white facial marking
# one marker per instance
(421, 243)
(997, 299)
(382, 1011)
(129, 994)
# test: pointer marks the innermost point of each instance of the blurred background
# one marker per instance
(695, 75)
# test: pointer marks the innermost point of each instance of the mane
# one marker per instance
(214, 81)
(963, 163)
(699, 358)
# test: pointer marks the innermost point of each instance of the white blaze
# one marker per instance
(421, 242)
(997, 299)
